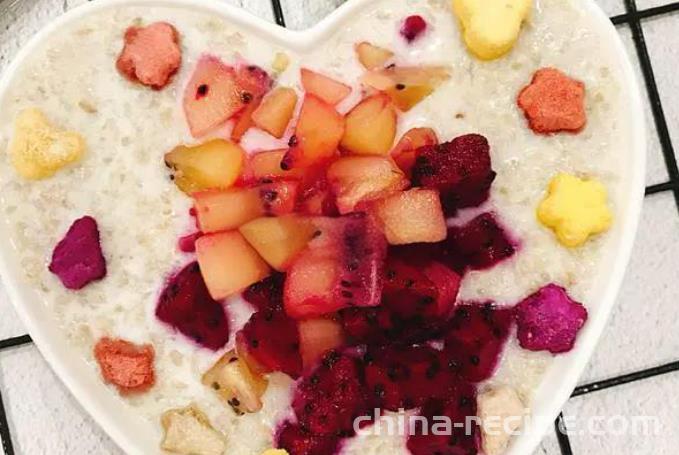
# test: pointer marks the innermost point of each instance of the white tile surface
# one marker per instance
(46, 420)
(642, 4)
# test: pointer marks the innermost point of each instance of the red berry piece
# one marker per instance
(413, 27)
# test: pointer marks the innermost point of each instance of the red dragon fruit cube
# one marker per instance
(549, 320)
(482, 243)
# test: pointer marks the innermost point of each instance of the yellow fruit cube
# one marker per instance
(575, 209)
(39, 149)
(491, 27)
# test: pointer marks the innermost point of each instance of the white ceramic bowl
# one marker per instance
(134, 435)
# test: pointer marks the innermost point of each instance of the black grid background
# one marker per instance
(632, 18)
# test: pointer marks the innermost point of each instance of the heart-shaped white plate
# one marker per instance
(135, 435)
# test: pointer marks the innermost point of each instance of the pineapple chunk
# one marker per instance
(370, 127)
(407, 86)
(275, 112)
(39, 149)
(278, 240)
(236, 384)
(372, 57)
(188, 432)
(267, 165)
(213, 165)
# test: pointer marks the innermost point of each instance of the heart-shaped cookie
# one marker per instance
(459, 108)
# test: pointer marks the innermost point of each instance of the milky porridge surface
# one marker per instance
(123, 183)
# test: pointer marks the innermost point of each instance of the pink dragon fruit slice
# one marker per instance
(77, 259)
(549, 320)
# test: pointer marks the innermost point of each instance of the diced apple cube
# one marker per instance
(370, 127)
(267, 165)
(405, 152)
(236, 384)
(215, 164)
(278, 240)
(372, 57)
(225, 210)
(316, 337)
(275, 112)
(354, 179)
(228, 263)
(319, 131)
(413, 216)
(327, 89)
(407, 86)
(188, 432)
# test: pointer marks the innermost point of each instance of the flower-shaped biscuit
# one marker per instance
(39, 149)
(575, 209)
(491, 27)
(553, 102)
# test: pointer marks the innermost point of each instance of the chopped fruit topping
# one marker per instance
(327, 89)
(405, 152)
(413, 27)
(127, 366)
(317, 337)
(549, 320)
(270, 342)
(229, 264)
(407, 377)
(225, 210)
(553, 102)
(216, 164)
(407, 86)
(447, 282)
(279, 240)
(457, 407)
(187, 244)
(267, 294)
(503, 406)
(371, 127)
(460, 169)
(491, 27)
(476, 338)
(372, 57)
(244, 120)
(275, 112)
(354, 179)
(319, 131)
(341, 267)
(575, 209)
(329, 398)
(298, 440)
(188, 432)
(151, 55)
(186, 305)
(413, 216)
(217, 92)
(77, 259)
(482, 243)
(235, 384)
(280, 62)
(267, 165)
(39, 149)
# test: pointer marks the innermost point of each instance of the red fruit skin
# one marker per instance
(459, 405)
(413, 27)
(186, 305)
(187, 244)
(460, 169)
(299, 441)
(271, 338)
(127, 366)
(331, 397)
(77, 259)
(267, 294)
(553, 103)
(407, 377)
(476, 337)
(151, 55)
(549, 320)
(482, 243)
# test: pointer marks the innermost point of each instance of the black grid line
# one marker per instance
(631, 17)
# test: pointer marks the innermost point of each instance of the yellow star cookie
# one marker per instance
(575, 209)
(39, 149)
(491, 27)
